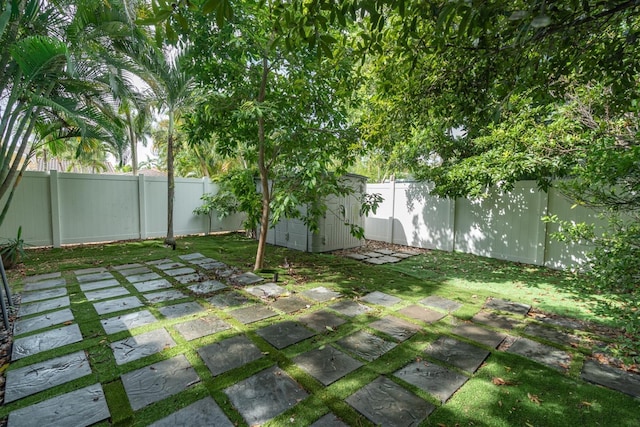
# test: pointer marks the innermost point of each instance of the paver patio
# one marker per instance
(318, 333)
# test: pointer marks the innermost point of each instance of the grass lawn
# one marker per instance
(507, 390)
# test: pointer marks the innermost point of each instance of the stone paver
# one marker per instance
(379, 260)
(229, 354)
(252, 314)
(541, 353)
(329, 420)
(143, 345)
(365, 345)
(284, 334)
(207, 287)
(32, 324)
(143, 277)
(350, 308)
(191, 257)
(372, 254)
(101, 294)
(179, 310)
(290, 304)
(126, 266)
(114, 305)
(510, 306)
(399, 329)
(608, 376)
(201, 327)
(90, 270)
(479, 334)
(420, 313)
(163, 296)
(45, 284)
(440, 303)
(43, 341)
(380, 298)
(127, 322)
(321, 294)
(267, 290)
(169, 265)
(95, 277)
(152, 285)
(179, 271)
(228, 299)
(247, 279)
(204, 412)
(43, 295)
(44, 375)
(79, 408)
(41, 277)
(456, 353)
(356, 256)
(322, 320)
(159, 261)
(327, 364)
(190, 278)
(385, 403)
(159, 381)
(495, 320)
(265, 395)
(551, 334)
(135, 270)
(92, 286)
(42, 306)
(434, 379)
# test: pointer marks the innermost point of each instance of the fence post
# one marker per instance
(55, 208)
(541, 246)
(142, 207)
(393, 209)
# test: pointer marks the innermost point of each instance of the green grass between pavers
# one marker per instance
(533, 395)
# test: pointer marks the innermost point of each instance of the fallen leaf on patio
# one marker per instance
(68, 322)
(535, 399)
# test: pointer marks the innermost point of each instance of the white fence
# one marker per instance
(505, 226)
(65, 208)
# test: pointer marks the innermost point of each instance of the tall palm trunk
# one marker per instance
(170, 239)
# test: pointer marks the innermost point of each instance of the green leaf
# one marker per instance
(4, 18)
(210, 5)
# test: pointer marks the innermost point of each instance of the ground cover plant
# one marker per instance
(507, 389)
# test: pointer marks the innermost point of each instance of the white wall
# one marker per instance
(505, 226)
(65, 208)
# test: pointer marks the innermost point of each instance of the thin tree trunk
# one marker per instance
(134, 144)
(264, 173)
(170, 239)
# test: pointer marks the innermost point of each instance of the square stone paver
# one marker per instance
(90, 270)
(434, 379)
(380, 298)
(265, 395)
(201, 327)
(126, 266)
(45, 284)
(327, 364)
(322, 321)
(608, 376)
(399, 329)
(141, 269)
(143, 277)
(541, 353)
(389, 259)
(329, 420)
(252, 314)
(495, 320)
(127, 322)
(479, 334)
(41, 376)
(159, 261)
(41, 277)
(92, 286)
(191, 257)
(179, 310)
(350, 308)
(79, 408)
(510, 306)
(159, 381)
(229, 354)
(372, 254)
(31, 324)
(207, 287)
(101, 294)
(203, 261)
(379, 260)
(247, 279)
(420, 313)
(163, 296)
(190, 278)
(213, 265)
(28, 297)
(179, 271)
(290, 304)
(143, 345)
(95, 277)
(457, 353)
(267, 290)
(170, 265)
(444, 304)
(46, 305)
(43, 341)
(120, 304)
(365, 345)
(284, 334)
(228, 299)
(552, 334)
(321, 294)
(385, 403)
(204, 412)
(152, 285)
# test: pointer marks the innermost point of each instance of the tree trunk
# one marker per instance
(134, 144)
(170, 239)
(264, 174)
